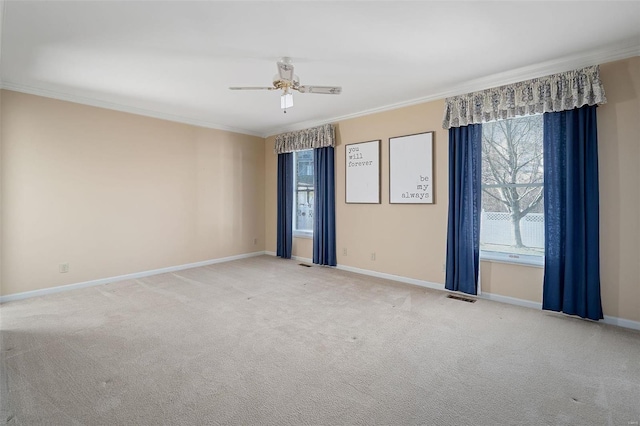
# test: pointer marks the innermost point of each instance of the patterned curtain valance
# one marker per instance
(553, 93)
(315, 137)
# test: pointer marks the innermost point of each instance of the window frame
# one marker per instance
(512, 258)
(507, 257)
(298, 233)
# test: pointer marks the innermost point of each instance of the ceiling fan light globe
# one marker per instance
(286, 100)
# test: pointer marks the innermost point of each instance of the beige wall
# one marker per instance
(113, 193)
(619, 157)
(410, 240)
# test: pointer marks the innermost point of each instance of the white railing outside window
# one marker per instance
(496, 229)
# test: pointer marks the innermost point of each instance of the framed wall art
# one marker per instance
(362, 177)
(411, 169)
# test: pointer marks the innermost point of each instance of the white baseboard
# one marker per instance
(406, 280)
(302, 259)
(620, 322)
(376, 274)
(58, 289)
(510, 300)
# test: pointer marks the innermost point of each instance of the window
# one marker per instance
(303, 193)
(512, 221)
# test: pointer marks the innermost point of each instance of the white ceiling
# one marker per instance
(176, 60)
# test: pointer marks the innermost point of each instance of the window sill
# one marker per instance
(533, 261)
(303, 234)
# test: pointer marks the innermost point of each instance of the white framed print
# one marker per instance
(362, 176)
(411, 169)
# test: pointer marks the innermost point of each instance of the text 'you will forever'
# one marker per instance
(356, 159)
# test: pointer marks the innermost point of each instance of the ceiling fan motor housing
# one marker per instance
(280, 83)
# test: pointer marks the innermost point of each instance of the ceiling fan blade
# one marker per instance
(326, 90)
(252, 88)
(285, 69)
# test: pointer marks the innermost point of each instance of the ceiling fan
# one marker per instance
(287, 81)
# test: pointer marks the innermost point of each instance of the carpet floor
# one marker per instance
(266, 341)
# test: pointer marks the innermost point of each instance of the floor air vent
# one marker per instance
(465, 299)
(305, 265)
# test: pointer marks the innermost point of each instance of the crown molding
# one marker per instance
(122, 108)
(623, 50)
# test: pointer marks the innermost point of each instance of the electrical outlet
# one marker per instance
(255, 241)
(373, 256)
(63, 268)
(444, 267)
(344, 251)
